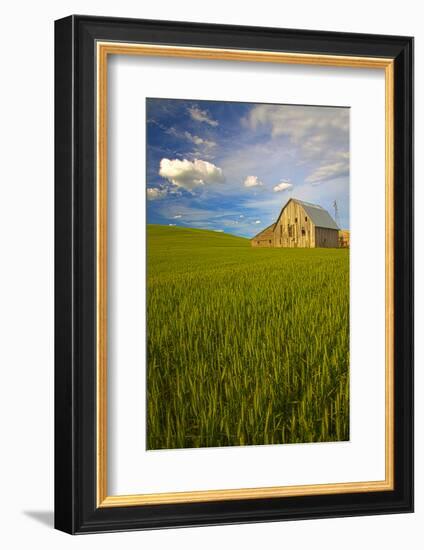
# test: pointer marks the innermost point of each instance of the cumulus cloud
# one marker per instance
(201, 116)
(252, 181)
(177, 217)
(282, 186)
(257, 221)
(190, 174)
(154, 193)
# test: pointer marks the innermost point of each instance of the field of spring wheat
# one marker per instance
(245, 346)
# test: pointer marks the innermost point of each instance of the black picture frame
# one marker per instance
(76, 510)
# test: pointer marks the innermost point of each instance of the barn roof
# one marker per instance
(263, 231)
(319, 216)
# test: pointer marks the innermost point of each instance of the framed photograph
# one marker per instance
(234, 268)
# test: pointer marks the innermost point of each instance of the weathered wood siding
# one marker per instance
(264, 239)
(344, 238)
(294, 229)
(326, 238)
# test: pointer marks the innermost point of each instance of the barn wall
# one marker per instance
(294, 229)
(264, 239)
(326, 238)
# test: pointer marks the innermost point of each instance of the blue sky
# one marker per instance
(230, 167)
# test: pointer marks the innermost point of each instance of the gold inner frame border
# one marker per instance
(103, 50)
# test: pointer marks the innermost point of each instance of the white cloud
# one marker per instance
(172, 131)
(282, 186)
(299, 122)
(177, 217)
(257, 221)
(197, 140)
(196, 154)
(315, 131)
(201, 116)
(329, 171)
(193, 215)
(252, 181)
(154, 193)
(190, 174)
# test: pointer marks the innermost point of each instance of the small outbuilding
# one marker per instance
(300, 225)
(344, 238)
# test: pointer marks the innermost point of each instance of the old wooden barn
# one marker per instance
(300, 225)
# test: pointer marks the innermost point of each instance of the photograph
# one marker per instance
(233, 252)
(247, 284)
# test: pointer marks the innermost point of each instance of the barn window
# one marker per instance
(258, 242)
(295, 220)
(306, 218)
(269, 242)
(290, 228)
(303, 232)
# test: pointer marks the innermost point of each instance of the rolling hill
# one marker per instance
(188, 237)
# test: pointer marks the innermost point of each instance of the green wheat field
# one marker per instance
(245, 346)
